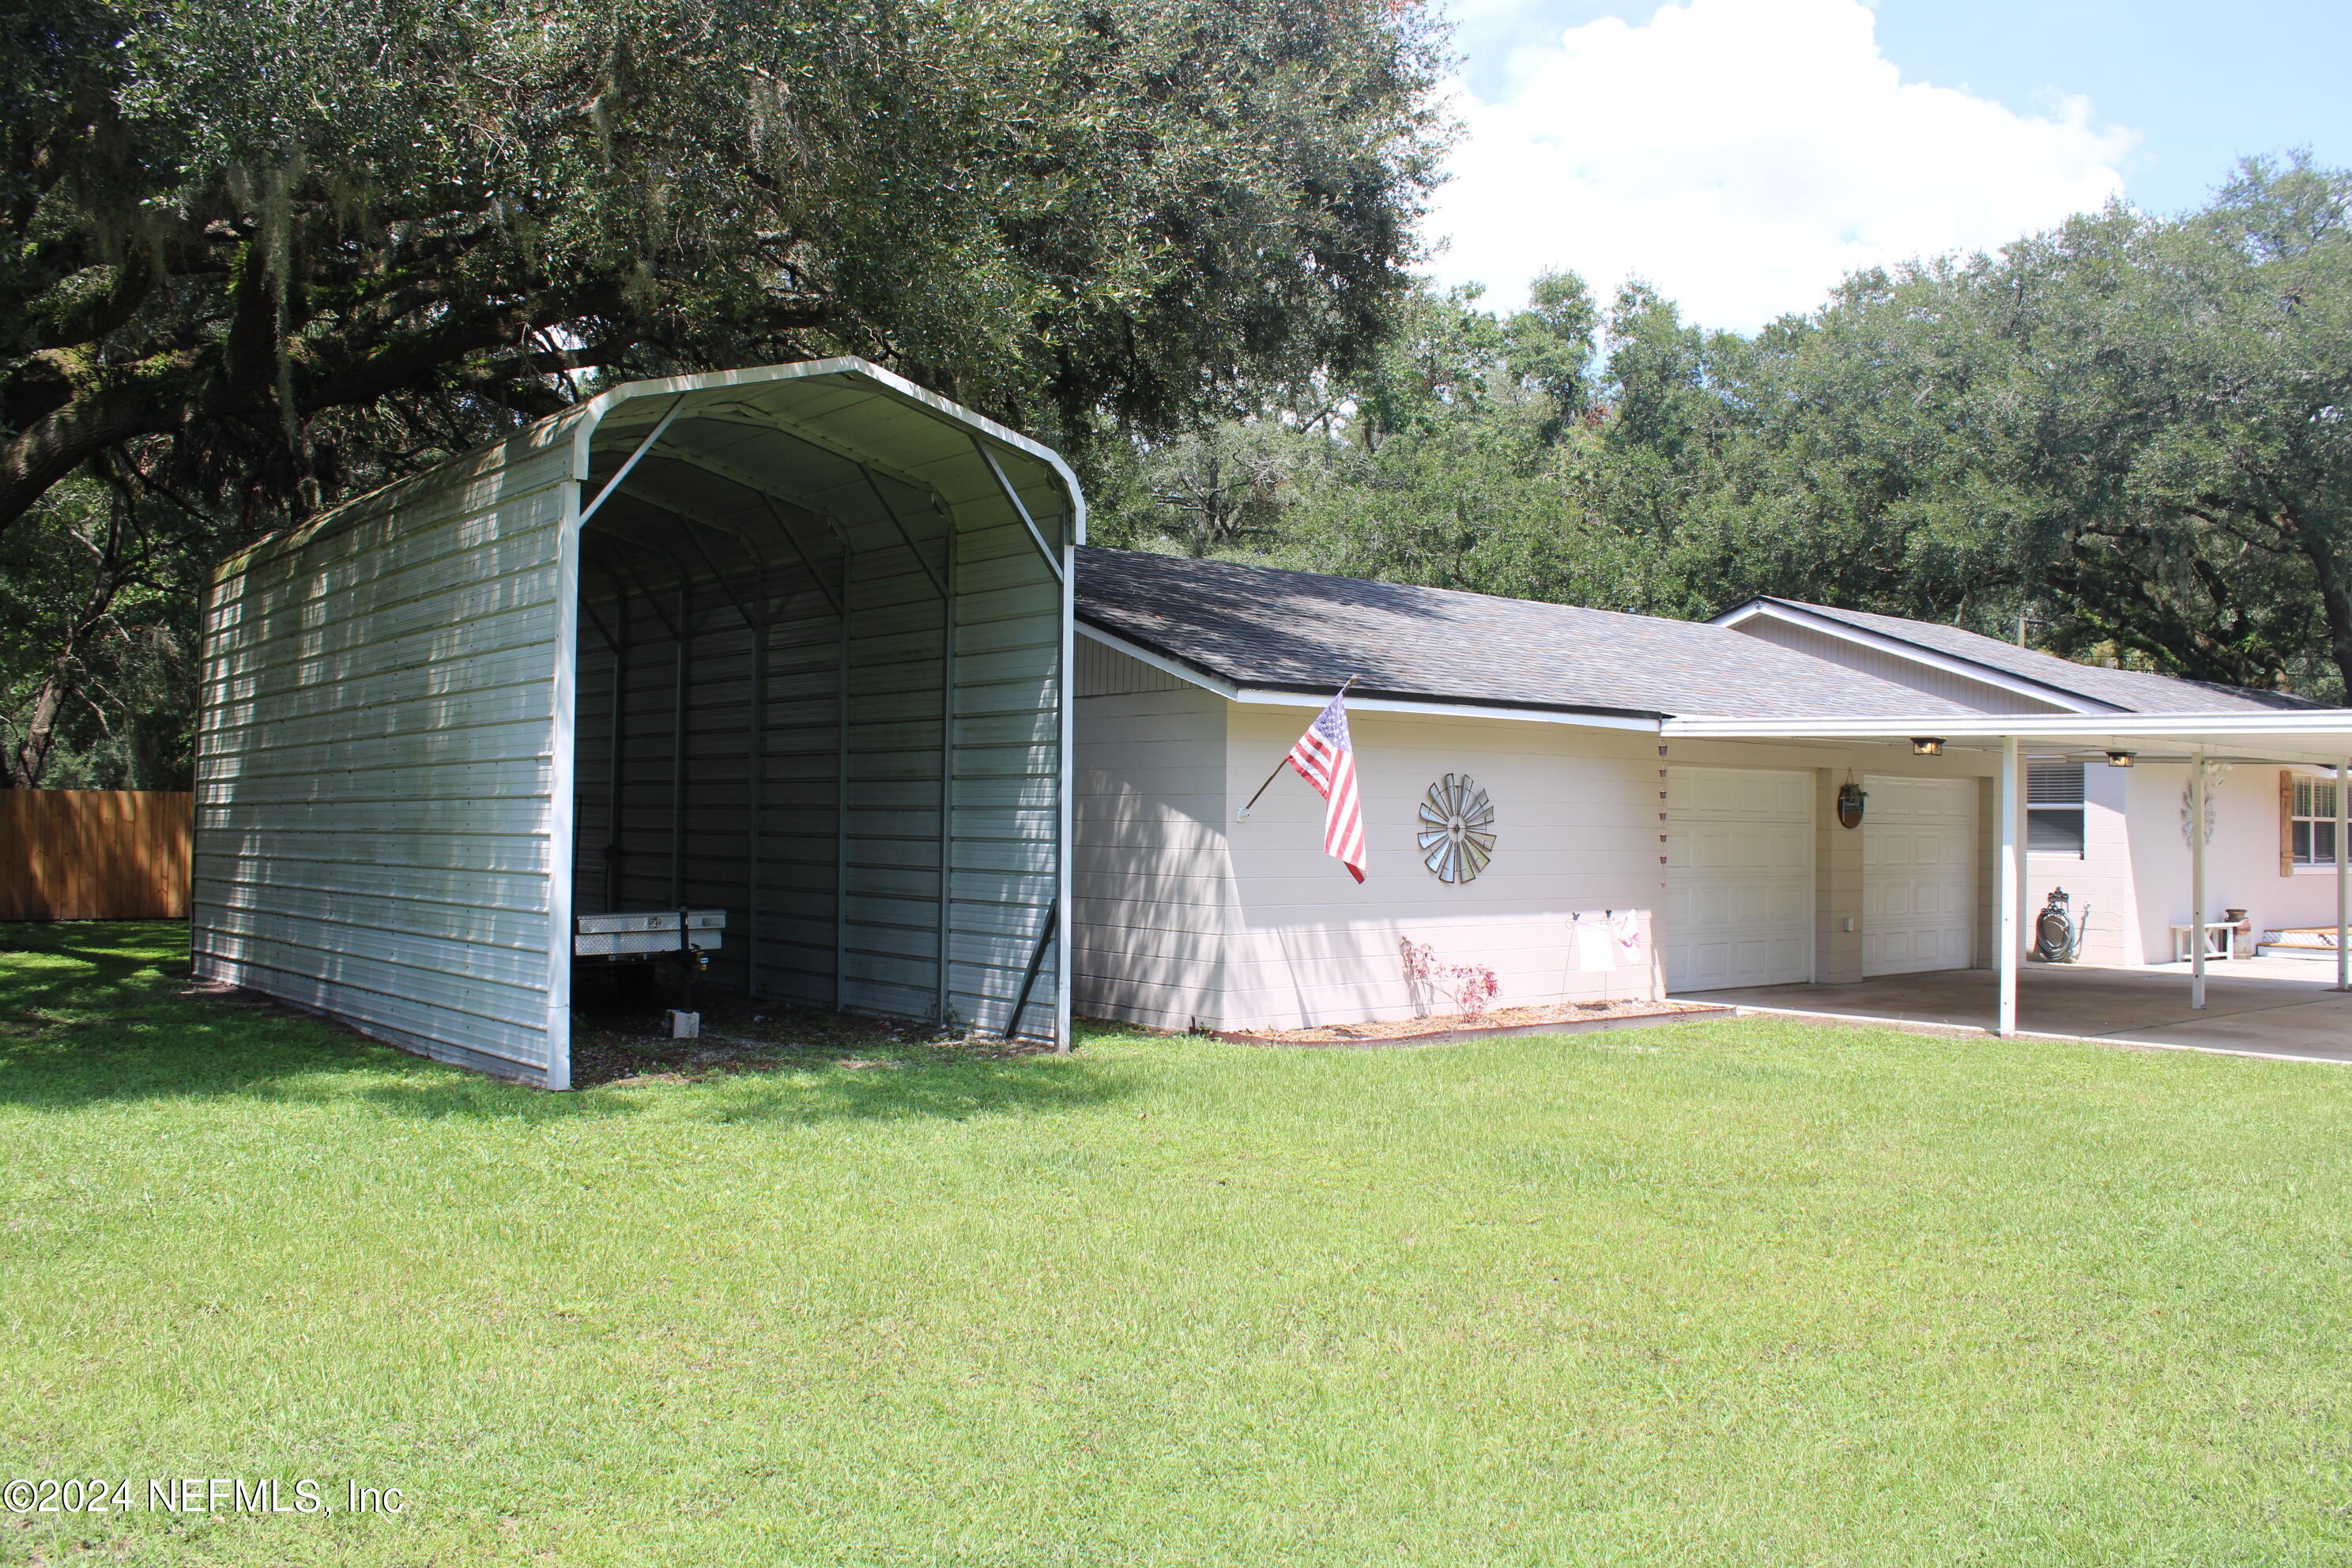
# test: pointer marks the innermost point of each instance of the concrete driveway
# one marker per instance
(2258, 1006)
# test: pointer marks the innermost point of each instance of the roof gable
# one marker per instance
(2031, 674)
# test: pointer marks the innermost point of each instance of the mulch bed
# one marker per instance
(1572, 1017)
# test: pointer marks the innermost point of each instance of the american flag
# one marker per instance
(1326, 759)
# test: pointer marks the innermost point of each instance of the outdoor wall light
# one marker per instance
(2120, 759)
(1927, 746)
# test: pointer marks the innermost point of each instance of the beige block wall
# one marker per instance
(1578, 830)
(1837, 885)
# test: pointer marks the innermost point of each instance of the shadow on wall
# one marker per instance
(105, 1013)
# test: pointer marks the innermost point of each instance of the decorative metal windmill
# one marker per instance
(1456, 828)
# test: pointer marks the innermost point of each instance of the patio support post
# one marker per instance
(678, 744)
(2011, 879)
(2343, 907)
(2196, 881)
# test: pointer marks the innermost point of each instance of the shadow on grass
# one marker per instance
(102, 1012)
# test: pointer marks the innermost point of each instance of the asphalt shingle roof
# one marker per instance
(2132, 691)
(1256, 625)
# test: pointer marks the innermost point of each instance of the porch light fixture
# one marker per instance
(1927, 746)
(2120, 759)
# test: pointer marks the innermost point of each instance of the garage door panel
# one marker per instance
(1739, 877)
(1919, 877)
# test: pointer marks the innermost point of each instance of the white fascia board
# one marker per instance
(2314, 736)
(1258, 696)
(1967, 669)
(1263, 697)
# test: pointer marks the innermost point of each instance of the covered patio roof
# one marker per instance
(2312, 737)
(2318, 737)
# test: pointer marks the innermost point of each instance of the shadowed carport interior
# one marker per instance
(818, 687)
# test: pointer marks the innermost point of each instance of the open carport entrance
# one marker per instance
(2320, 738)
(818, 686)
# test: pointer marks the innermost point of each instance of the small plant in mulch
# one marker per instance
(1472, 986)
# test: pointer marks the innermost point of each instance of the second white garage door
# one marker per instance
(1739, 878)
(1918, 875)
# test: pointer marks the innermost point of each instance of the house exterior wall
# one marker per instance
(2101, 876)
(377, 773)
(1837, 885)
(1152, 882)
(2242, 865)
(1577, 829)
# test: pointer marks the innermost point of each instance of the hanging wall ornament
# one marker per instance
(1456, 828)
(1851, 797)
(2214, 773)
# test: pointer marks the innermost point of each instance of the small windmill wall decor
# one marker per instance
(1457, 822)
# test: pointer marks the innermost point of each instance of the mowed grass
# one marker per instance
(1750, 1293)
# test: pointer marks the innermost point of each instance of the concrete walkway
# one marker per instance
(2260, 1006)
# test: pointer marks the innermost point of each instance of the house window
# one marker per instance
(2312, 827)
(2054, 808)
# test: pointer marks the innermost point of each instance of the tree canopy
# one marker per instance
(2127, 435)
(259, 256)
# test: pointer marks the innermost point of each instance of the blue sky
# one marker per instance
(1742, 154)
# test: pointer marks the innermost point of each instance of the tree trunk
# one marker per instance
(2335, 596)
(29, 758)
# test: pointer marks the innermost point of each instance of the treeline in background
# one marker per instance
(2125, 441)
(258, 260)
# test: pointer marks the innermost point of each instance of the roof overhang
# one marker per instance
(2320, 737)
(1765, 609)
(1288, 697)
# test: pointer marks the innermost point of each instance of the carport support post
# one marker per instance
(2343, 907)
(2196, 881)
(2011, 879)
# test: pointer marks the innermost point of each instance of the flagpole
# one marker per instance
(1242, 815)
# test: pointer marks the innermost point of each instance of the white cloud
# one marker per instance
(1743, 156)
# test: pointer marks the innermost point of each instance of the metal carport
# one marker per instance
(791, 641)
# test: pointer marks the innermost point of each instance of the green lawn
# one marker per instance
(1745, 1294)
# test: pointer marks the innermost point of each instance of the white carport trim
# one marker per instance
(2313, 736)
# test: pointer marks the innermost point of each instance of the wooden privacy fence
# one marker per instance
(94, 854)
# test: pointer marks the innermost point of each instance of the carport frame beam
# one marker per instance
(2011, 881)
(2343, 886)
(2197, 771)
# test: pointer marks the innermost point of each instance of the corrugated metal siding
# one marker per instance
(406, 771)
(375, 756)
(847, 907)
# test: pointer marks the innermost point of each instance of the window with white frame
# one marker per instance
(2312, 823)
(2054, 808)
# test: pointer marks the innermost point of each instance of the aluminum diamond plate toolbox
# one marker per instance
(629, 933)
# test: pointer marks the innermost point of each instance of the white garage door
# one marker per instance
(1918, 875)
(1739, 878)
